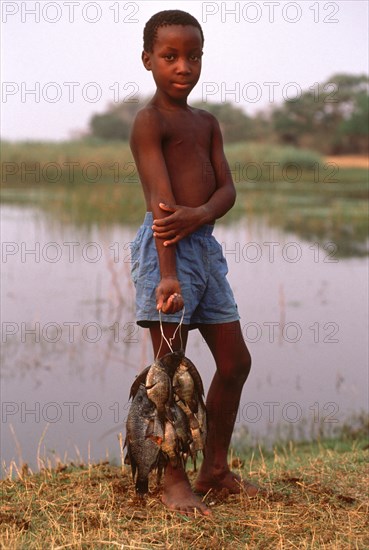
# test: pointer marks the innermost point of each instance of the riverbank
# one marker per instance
(320, 199)
(317, 499)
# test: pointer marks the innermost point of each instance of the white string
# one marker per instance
(180, 329)
(163, 337)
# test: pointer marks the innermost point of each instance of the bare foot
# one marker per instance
(178, 495)
(226, 479)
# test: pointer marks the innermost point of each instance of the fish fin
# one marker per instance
(161, 463)
(184, 459)
(194, 405)
(195, 375)
(142, 486)
(169, 412)
(153, 431)
(150, 428)
(171, 361)
(193, 422)
(133, 464)
(140, 379)
(150, 387)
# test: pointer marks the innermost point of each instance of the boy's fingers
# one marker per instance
(163, 233)
(167, 306)
(174, 240)
(162, 222)
(167, 207)
(174, 303)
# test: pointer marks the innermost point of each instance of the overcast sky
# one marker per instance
(63, 61)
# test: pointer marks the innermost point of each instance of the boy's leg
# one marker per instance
(233, 364)
(177, 493)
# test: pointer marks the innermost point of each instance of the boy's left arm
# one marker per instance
(184, 220)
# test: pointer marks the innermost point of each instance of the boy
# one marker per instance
(175, 260)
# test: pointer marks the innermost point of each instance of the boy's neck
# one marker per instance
(164, 102)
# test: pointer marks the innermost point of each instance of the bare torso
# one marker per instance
(186, 136)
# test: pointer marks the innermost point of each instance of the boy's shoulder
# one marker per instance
(148, 114)
(148, 124)
(153, 121)
(152, 113)
(204, 114)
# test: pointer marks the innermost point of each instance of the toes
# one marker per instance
(192, 510)
(205, 511)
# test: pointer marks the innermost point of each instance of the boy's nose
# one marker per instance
(183, 67)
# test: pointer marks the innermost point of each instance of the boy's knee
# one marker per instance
(245, 366)
(238, 372)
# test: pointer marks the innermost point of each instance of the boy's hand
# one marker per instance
(183, 221)
(168, 295)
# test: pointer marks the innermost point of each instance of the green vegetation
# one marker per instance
(95, 181)
(317, 498)
(330, 117)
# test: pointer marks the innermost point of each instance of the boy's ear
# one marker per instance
(146, 60)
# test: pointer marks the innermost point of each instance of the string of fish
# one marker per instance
(167, 418)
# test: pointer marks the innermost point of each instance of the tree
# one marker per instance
(233, 121)
(116, 122)
(328, 117)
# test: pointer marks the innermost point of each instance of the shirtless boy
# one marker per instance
(176, 261)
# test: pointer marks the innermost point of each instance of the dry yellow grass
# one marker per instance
(318, 499)
(350, 161)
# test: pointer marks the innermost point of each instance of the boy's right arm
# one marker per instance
(146, 146)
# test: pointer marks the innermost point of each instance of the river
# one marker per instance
(71, 349)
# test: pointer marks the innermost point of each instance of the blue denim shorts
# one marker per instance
(201, 270)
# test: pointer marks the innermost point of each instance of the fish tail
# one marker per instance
(142, 486)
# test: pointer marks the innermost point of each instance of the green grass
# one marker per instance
(324, 203)
(94, 161)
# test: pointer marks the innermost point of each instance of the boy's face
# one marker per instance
(176, 60)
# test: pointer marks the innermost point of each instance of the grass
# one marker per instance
(94, 161)
(317, 499)
(96, 182)
(333, 214)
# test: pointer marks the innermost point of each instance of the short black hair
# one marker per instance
(166, 18)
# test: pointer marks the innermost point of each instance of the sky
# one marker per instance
(64, 61)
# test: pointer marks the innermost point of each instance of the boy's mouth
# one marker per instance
(182, 85)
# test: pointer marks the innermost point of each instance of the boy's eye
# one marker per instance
(169, 57)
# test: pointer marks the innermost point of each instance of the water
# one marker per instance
(71, 349)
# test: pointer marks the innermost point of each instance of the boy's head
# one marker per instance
(166, 18)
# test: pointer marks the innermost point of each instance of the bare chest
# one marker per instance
(187, 134)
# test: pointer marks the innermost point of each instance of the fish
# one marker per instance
(159, 388)
(194, 426)
(203, 425)
(184, 386)
(197, 444)
(197, 428)
(187, 385)
(167, 418)
(195, 375)
(144, 436)
(169, 445)
(140, 379)
(181, 427)
(169, 363)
